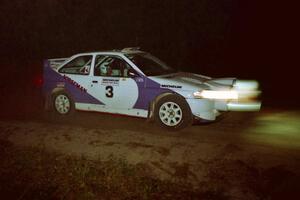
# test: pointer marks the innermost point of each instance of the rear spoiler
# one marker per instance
(55, 63)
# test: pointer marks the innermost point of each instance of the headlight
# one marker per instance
(214, 94)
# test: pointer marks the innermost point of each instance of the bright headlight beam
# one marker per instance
(211, 94)
(246, 85)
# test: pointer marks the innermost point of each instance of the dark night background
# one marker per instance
(219, 38)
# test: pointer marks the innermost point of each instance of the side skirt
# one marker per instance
(102, 108)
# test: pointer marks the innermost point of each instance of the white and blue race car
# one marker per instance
(135, 83)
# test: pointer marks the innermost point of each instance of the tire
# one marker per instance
(173, 113)
(62, 104)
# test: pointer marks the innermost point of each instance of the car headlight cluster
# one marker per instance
(217, 94)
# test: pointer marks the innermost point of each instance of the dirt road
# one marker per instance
(235, 145)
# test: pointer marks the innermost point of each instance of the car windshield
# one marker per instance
(150, 65)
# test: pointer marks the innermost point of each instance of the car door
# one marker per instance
(112, 85)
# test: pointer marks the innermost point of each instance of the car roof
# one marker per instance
(128, 50)
(131, 50)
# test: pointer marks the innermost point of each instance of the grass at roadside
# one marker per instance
(32, 173)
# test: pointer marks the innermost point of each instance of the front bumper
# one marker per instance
(208, 105)
(237, 105)
(209, 109)
(244, 106)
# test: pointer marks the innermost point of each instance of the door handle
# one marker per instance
(94, 81)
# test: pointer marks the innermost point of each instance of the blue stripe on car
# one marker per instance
(148, 90)
(52, 79)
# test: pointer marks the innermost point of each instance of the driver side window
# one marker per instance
(111, 66)
(80, 65)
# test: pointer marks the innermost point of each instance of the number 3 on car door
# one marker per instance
(109, 91)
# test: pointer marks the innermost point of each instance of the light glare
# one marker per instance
(209, 94)
(246, 85)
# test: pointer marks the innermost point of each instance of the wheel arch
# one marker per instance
(156, 99)
(49, 98)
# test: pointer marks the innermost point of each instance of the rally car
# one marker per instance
(135, 83)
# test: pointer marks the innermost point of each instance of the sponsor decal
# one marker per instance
(75, 83)
(170, 86)
(108, 81)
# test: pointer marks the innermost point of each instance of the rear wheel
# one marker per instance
(63, 104)
(173, 112)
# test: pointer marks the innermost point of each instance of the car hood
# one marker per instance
(190, 81)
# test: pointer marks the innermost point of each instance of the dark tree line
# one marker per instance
(180, 31)
(248, 39)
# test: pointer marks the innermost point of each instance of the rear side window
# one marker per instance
(80, 65)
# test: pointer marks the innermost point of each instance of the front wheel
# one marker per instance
(173, 112)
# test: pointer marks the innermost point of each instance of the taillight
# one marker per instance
(38, 80)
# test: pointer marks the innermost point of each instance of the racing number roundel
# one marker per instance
(119, 93)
